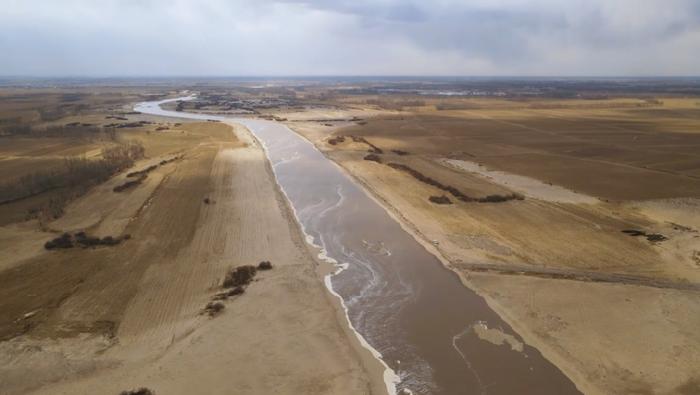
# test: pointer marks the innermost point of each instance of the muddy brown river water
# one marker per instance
(434, 335)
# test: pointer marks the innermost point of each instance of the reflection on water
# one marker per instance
(399, 297)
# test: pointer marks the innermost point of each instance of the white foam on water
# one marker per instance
(338, 203)
(372, 283)
(391, 379)
(283, 161)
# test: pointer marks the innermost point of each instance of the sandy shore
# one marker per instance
(285, 335)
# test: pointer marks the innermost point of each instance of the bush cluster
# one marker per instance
(452, 190)
(373, 158)
(81, 239)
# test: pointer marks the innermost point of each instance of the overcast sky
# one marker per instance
(349, 37)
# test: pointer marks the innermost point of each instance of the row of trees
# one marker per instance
(76, 174)
(74, 130)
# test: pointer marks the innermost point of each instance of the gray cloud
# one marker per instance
(296, 37)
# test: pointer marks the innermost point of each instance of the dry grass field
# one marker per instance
(615, 152)
(41, 130)
(54, 276)
(557, 265)
(577, 220)
(104, 319)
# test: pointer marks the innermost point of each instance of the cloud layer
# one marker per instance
(343, 37)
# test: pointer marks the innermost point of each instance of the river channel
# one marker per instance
(434, 335)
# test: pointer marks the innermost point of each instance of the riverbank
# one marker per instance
(283, 335)
(582, 327)
(374, 371)
(521, 326)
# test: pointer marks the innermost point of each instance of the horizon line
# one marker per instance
(320, 76)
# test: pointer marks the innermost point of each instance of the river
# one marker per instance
(434, 335)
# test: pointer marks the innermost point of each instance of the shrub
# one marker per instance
(440, 199)
(231, 292)
(634, 232)
(500, 198)
(240, 276)
(652, 237)
(265, 265)
(141, 172)
(166, 161)
(87, 241)
(452, 190)
(83, 240)
(336, 140)
(64, 241)
(655, 237)
(214, 308)
(372, 148)
(139, 391)
(373, 158)
(220, 296)
(109, 241)
(236, 291)
(430, 181)
(130, 184)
